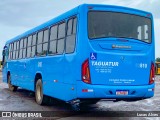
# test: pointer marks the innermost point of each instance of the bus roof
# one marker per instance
(65, 15)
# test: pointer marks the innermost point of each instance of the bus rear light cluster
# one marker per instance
(86, 72)
(152, 74)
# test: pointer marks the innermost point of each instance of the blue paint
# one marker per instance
(110, 69)
(93, 56)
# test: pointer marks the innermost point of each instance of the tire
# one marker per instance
(40, 98)
(10, 86)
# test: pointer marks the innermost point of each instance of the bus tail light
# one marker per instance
(86, 72)
(151, 79)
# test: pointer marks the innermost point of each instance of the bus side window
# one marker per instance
(24, 47)
(71, 35)
(29, 46)
(34, 45)
(14, 48)
(61, 37)
(53, 40)
(39, 43)
(14, 52)
(45, 41)
(21, 49)
(10, 51)
(17, 51)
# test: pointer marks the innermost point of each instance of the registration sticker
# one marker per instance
(122, 92)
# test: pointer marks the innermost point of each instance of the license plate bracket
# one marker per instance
(122, 92)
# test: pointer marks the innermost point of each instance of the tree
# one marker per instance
(158, 59)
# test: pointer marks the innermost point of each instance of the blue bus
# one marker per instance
(89, 53)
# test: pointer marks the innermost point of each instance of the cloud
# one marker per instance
(147, 5)
(8, 33)
(30, 13)
(157, 36)
(17, 16)
(25, 13)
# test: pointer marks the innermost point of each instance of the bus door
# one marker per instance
(4, 63)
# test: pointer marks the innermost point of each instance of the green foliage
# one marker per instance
(158, 59)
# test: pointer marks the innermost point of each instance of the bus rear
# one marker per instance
(118, 53)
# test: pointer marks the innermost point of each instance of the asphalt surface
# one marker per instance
(23, 100)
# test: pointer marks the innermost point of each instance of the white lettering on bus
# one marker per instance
(102, 63)
(39, 64)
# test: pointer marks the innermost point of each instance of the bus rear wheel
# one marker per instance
(10, 86)
(40, 98)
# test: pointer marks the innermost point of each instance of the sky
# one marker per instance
(18, 16)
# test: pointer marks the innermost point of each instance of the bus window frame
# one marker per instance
(58, 23)
(151, 25)
(73, 17)
(29, 46)
(52, 54)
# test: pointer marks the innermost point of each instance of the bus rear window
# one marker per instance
(118, 25)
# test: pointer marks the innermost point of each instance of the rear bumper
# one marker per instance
(109, 92)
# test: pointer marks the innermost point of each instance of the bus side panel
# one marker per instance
(64, 74)
(4, 75)
(65, 92)
(71, 71)
(21, 73)
(30, 73)
(51, 69)
(13, 69)
(14, 72)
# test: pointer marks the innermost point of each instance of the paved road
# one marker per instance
(24, 100)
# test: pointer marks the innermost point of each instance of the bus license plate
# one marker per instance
(121, 92)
